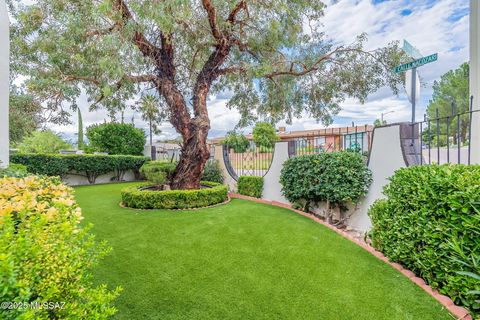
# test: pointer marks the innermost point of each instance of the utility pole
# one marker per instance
(475, 78)
(4, 83)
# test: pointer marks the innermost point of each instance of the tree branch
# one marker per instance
(145, 46)
(233, 15)
(212, 19)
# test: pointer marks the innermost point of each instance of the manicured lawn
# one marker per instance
(242, 260)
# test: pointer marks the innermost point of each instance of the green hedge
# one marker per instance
(213, 172)
(337, 177)
(250, 186)
(133, 197)
(430, 223)
(88, 165)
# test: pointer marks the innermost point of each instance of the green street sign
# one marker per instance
(416, 63)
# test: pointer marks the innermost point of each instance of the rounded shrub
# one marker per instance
(138, 198)
(213, 172)
(250, 186)
(158, 172)
(430, 223)
(116, 138)
(337, 178)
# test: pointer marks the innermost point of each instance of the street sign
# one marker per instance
(411, 50)
(416, 63)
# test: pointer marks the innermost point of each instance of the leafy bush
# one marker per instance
(238, 142)
(158, 172)
(337, 178)
(43, 142)
(133, 197)
(116, 138)
(250, 186)
(213, 172)
(264, 135)
(90, 166)
(45, 255)
(14, 170)
(430, 223)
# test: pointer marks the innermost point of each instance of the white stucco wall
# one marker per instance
(385, 158)
(475, 77)
(228, 179)
(77, 180)
(272, 189)
(4, 83)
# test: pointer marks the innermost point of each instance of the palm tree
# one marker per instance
(150, 108)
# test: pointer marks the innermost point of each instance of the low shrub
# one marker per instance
(88, 165)
(337, 178)
(45, 255)
(158, 172)
(14, 170)
(213, 172)
(430, 223)
(133, 197)
(250, 186)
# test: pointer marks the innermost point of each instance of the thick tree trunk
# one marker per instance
(195, 153)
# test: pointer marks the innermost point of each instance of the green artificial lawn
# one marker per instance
(242, 260)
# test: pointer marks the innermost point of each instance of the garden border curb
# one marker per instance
(458, 312)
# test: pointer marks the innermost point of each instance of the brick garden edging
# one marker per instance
(459, 313)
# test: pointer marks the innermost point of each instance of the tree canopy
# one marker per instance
(264, 135)
(274, 57)
(116, 138)
(450, 96)
(43, 142)
(24, 116)
(279, 62)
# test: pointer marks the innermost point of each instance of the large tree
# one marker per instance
(450, 97)
(273, 56)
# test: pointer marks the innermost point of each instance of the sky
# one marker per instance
(439, 26)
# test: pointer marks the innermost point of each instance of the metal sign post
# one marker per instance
(413, 66)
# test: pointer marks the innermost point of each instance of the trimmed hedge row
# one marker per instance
(430, 223)
(132, 197)
(250, 186)
(88, 165)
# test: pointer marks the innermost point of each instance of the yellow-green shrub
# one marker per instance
(45, 256)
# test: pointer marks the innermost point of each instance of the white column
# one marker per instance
(475, 77)
(4, 83)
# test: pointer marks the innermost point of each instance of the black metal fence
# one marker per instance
(443, 137)
(355, 138)
(247, 160)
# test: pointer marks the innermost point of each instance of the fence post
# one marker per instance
(4, 84)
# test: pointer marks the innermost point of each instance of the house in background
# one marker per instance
(327, 139)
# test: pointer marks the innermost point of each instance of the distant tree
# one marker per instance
(148, 107)
(274, 55)
(24, 117)
(43, 142)
(116, 138)
(80, 142)
(264, 135)
(379, 122)
(450, 95)
(237, 141)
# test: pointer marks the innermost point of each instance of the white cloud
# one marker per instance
(432, 26)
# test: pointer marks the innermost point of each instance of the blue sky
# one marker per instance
(431, 26)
